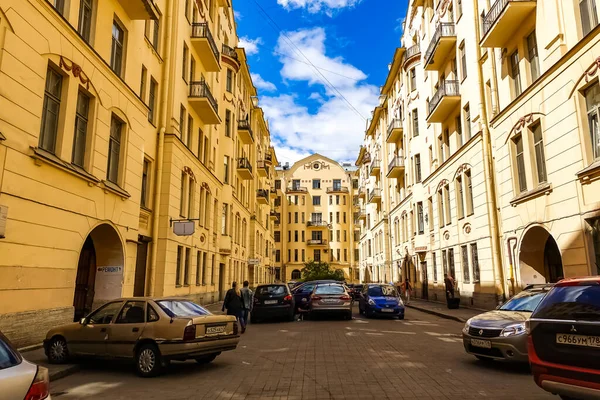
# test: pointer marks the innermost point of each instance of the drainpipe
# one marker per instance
(488, 167)
(511, 261)
(166, 93)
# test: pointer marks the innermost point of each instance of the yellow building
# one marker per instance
(119, 119)
(315, 210)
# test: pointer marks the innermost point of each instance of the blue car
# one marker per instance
(378, 299)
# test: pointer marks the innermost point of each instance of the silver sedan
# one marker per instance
(331, 298)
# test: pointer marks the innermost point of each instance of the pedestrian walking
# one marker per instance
(407, 290)
(248, 300)
(449, 283)
(233, 303)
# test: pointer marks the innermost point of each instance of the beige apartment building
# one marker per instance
(134, 157)
(489, 138)
(315, 211)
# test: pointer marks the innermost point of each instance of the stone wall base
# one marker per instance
(486, 301)
(29, 328)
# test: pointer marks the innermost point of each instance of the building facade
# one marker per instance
(315, 212)
(134, 157)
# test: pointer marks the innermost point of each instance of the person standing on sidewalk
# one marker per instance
(407, 290)
(449, 283)
(248, 300)
(233, 303)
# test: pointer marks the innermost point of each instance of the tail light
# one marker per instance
(256, 301)
(40, 388)
(189, 333)
(315, 297)
(235, 328)
(288, 298)
(345, 297)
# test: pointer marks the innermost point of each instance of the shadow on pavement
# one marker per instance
(501, 366)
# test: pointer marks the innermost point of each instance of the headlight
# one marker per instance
(400, 303)
(466, 327)
(371, 302)
(511, 330)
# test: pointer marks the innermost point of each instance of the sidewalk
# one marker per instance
(437, 308)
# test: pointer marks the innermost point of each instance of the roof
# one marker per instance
(587, 280)
(394, 67)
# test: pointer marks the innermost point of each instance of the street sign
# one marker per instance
(253, 261)
(184, 228)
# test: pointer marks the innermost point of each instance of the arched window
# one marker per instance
(296, 274)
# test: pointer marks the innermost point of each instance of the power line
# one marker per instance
(291, 43)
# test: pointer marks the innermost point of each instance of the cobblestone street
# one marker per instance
(421, 357)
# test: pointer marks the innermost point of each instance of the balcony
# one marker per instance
(503, 19)
(204, 44)
(269, 158)
(245, 131)
(225, 245)
(375, 168)
(262, 196)
(442, 43)
(375, 196)
(274, 215)
(273, 193)
(296, 189)
(140, 9)
(317, 224)
(361, 215)
(396, 167)
(412, 52)
(203, 102)
(394, 131)
(367, 158)
(362, 193)
(229, 55)
(263, 169)
(317, 242)
(338, 189)
(443, 102)
(244, 169)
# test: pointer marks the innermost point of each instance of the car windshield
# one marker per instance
(8, 356)
(524, 301)
(272, 290)
(580, 302)
(330, 289)
(181, 308)
(380, 291)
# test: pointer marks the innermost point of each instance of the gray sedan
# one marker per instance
(500, 334)
(331, 298)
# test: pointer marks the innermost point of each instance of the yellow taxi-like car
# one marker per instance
(151, 331)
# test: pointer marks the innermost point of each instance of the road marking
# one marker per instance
(91, 389)
(360, 321)
(374, 333)
(443, 334)
(450, 340)
(283, 330)
(275, 350)
(351, 333)
(401, 332)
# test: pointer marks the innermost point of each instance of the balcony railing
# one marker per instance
(374, 193)
(264, 193)
(412, 51)
(243, 163)
(229, 52)
(447, 88)
(397, 161)
(316, 242)
(268, 158)
(375, 166)
(199, 31)
(245, 125)
(503, 19)
(338, 189)
(297, 189)
(394, 129)
(444, 29)
(317, 224)
(200, 89)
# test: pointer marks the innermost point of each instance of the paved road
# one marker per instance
(421, 357)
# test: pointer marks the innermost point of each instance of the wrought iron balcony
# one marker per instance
(274, 215)
(296, 189)
(204, 44)
(338, 189)
(411, 52)
(442, 43)
(444, 101)
(394, 130)
(317, 224)
(269, 158)
(244, 168)
(503, 19)
(375, 196)
(203, 102)
(263, 169)
(396, 167)
(375, 168)
(245, 131)
(229, 52)
(262, 196)
(317, 242)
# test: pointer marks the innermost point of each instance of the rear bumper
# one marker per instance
(272, 311)
(185, 350)
(331, 309)
(379, 310)
(510, 349)
(576, 390)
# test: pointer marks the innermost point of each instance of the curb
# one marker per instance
(70, 370)
(437, 313)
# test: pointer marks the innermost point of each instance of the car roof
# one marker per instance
(538, 287)
(142, 298)
(578, 280)
(272, 284)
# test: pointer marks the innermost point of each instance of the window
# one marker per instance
(515, 73)
(465, 263)
(462, 54)
(81, 123)
(316, 200)
(59, 5)
(198, 267)
(278, 184)
(144, 202)
(114, 150)
(190, 131)
(458, 8)
(296, 217)
(445, 261)
(447, 201)
(51, 111)
(434, 263)
(317, 255)
(415, 122)
(186, 267)
(337, 184)
(179, 265)
(289, 236)
(344, 219)
(441, 208)
(532, 50)
(592, 99)
(467, 114)
(459, 137)
(187, 10)
(540, 158)
(277, 255)
(152, 100)
(191, 192)
(227, 123)
(475, 261)
(192, 69)
(337, 200)
(420, 221)
(183, 182)
(430, 212)
(182, 114)
(459, 197)
(316, 184)
(226, 169)
(229, 83)
(296, 255)
(337, 217)
(338, 251)
(413, 79)
(224, 219)
(85, 19)
(303, 236)
(143, 78)
(184, 67)
(589, 16)
(451, 267)
(118, 44)
(520, 158)
(105, 314)
(418, 168)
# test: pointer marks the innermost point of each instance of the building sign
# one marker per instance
(420, 249)
(253, 261)
(184, 228)
(109, 282)
(3, 217)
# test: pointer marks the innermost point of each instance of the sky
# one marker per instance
(318, 66)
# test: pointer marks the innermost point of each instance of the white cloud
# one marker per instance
(251, 45)
(237, 15)
(315, 6)
(261, 84)
(333, 128)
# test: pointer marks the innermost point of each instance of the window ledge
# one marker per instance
(146, 209)
(116, 189)
(41, 155)
(544, 189)
(590, 173)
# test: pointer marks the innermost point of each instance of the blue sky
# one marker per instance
(351, 42)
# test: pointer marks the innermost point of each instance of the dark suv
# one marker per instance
(564, 339)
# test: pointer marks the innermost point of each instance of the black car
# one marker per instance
(273, 301)
(356, 289)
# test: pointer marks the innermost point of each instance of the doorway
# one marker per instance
(222, 288)
(85, 281)
(540, 260)
(425, 283)
(139, 285)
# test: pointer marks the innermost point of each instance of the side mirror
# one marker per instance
(83, 321)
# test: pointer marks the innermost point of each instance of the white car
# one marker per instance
(20, 379)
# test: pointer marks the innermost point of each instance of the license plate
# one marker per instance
(387, 310)
(213, 330)
(330, 301)
(578, 340)
(486, 344)
(270, 301)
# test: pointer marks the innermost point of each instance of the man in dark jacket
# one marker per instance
(234, 304)
(248, 300)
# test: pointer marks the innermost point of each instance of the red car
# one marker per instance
(564, 339)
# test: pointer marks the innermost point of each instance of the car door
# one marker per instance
(302, 296)
(125, 331)
(91, 335)
(362, 299)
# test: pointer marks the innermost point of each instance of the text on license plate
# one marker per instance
(330, 300)
(387, 310)
(270, 301)
(486, 344)
(213, 330)
(578, 340)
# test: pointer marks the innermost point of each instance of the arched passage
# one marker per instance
(296, 274)
(99, 270)
(540, 260)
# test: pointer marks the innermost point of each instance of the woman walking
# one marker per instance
(234, 304)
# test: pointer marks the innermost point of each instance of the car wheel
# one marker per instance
(349, 316)
(486, 359)
(368, 313)
(58, 353)
(206, 359)
(148, 361)
(253, 319)
(401, 316)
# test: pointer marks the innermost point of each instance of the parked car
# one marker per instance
(273, 300)
(303, 292)
(380, 299)
(20, 379)
(500, 334)
(564, 339)
(150, 331)
(357, 288)
(330, 298)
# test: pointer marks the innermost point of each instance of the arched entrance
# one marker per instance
(540, 260)
(296, 274)
(99, 270)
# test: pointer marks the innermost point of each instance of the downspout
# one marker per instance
(510, 250)
(490, 178)
(165, 94)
